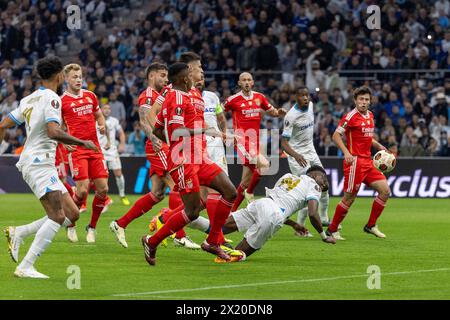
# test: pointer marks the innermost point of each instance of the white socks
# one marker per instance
(43, 238)
(31, 228)
(120, 181)
(201, 223)
(323, 206)
(301, 217)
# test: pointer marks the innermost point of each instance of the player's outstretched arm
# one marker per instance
(296, 226)
(337, 138)
(288, 149)
(6, 123)
(55, 132)
(314, 218)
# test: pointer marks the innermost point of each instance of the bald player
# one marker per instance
(246, 108)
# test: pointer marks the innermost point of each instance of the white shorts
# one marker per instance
(260, 220)
(42, 179)
(113, 160)
(311, 157)
(216, 152)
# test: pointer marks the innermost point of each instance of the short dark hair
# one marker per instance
(155, 66)
(360, 91)
(188, 57)
(175, 70)
(49, 66)
(301, 88)
(316, 168)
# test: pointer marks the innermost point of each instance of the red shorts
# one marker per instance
(158, 162)
(88, 167)
(360, 171)
(189, 177)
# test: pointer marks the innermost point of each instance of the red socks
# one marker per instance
(339, 215)
(254, 181)
(377, 208)
(220, 215)
(97, 206)
(211, 207)
(177, 221)
(69, 188)
(142, 205)
(239, 198)
(175, 202)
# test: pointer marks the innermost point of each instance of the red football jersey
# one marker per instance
(358, 129)
(78, 114)
(177, 112)
(199, 105)
(146, 99)
(246, 113)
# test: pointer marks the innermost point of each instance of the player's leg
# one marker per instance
(52, 203)
(325, 197)
(247, 173)
(382, 188)
(116, 166)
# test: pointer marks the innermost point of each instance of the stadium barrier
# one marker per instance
(412, 178)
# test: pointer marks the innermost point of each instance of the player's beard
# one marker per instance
(59, 90)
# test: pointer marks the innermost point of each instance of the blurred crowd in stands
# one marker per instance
(324, 45)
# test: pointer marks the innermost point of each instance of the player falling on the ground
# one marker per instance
(81, 113)
(263, 217)
(111, 151)
(358, 126)
(41, 113)
(297, 142)
(188, 164)
(246, 107)
(157, 154)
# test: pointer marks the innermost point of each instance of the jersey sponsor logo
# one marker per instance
(306, 126)
(55, 104)
(258, 102)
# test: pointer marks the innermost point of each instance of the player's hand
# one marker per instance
(300, 228)
(349, 158)
(121, 148)
(108, 145)
(156, 143)
(90, 145)
(301, 161)
(329, 239)
(281, 112)
(262, 162)
(70, 147)
(101, 129)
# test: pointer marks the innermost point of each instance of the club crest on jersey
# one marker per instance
(55, 104)
(258, 102)
(89, 100)
(179, 111)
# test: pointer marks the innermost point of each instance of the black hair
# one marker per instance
(49, 66)
(155, 66)
(188, 57)
(316, 168)
(175, 70)
(301, 88)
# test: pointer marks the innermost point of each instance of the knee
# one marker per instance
(230, 194)
(102, 189)
(58, 217)
(82, 192)
(159, 194)
(193, 214)
(384, 193)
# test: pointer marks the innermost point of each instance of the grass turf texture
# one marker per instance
(305, 268)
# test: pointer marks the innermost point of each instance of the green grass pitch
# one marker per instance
(414, 260)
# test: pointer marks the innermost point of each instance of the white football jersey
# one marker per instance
(114, 127)
(36, 110)
(292, 193)
(299, 128)
(212, 108)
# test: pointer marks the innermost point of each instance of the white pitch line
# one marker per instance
(272, 283)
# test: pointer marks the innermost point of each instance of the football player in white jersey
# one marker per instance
(214, 118)
(111, 150)
(264, 217)
(41, 113)
(297, 142)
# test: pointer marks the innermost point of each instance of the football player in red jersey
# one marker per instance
(246, 107)
(62, 165)
(358, 126)
(80, 111)
(157, 153)
(176, 120)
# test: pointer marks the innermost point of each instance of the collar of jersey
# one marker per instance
(298, 108)
(42, 88)
(247, 98)
(366, 116)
